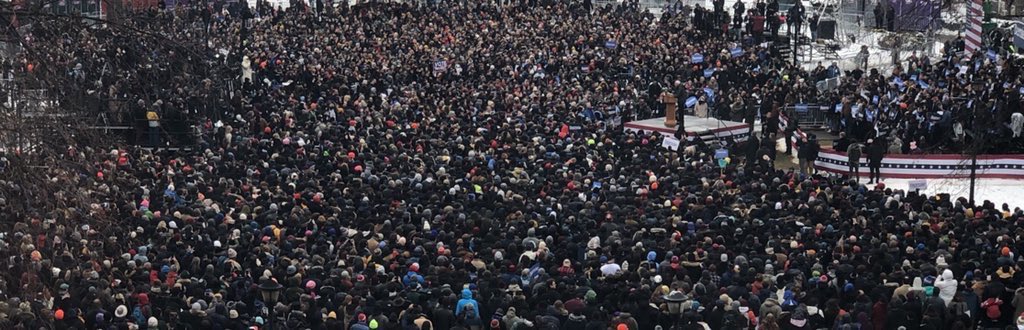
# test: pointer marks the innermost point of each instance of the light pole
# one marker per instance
(675, 300)
(270, 290)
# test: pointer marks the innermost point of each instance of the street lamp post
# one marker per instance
(270, 290)
(675, 300)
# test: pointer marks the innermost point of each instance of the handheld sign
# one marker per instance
(697, 58)
(691, 101)
(670, 143)
(440, 65)
(611, 44)
(916, 185)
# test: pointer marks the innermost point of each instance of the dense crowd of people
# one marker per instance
(456, 166)
(933, 105)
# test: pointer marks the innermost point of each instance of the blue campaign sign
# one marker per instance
(440, 65)
(721, 153)
(992, 55)
(697, 58)
(691, 101)
(611, 44)
(710, 92)
(709, 72)
(801, 108)
(736, 52)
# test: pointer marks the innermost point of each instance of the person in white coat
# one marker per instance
(947, 286)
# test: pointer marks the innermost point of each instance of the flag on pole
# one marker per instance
(975, 15)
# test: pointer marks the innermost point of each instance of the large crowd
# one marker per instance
(456, 166)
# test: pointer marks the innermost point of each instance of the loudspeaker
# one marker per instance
(827, 29)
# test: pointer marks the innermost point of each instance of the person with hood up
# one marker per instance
(467, 310)
(770, 306)
(853, 154)
(513, 321)
(947, 286)
(799, 320)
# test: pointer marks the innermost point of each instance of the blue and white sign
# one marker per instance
(611, 44)
(709, 72)
(697, 58)
(440, 65)
(736, 52)
(691, 101)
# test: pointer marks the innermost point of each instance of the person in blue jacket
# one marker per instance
(467, 310)
(413, 276)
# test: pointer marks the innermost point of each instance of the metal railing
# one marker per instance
(810, 115)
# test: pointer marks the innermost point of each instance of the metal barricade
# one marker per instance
(810, 116)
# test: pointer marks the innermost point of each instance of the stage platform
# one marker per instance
(706, 128)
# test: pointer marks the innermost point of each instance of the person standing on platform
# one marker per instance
(654, 98)
(876, 152)
(807, 153)
(739, 8)
(853, 154)
(795, 20)
(791, 126)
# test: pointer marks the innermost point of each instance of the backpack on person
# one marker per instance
(468, 315)
(991, 306)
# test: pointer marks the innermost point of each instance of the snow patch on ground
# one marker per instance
(998, 191)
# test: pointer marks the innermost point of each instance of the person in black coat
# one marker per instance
(876, 152)
(807, 153)
(791, 126)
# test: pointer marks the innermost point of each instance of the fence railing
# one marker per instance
(810, 115)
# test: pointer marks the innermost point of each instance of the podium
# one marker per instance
(670, 108)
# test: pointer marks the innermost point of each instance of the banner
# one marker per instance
(928, 166)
